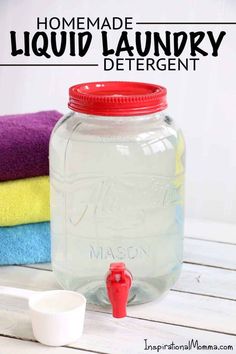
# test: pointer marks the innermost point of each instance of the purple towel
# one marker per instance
(24, 142)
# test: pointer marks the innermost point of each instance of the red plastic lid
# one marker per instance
(117, 98)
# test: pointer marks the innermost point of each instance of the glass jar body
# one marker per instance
(117, 195)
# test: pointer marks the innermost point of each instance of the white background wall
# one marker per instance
(202, 102)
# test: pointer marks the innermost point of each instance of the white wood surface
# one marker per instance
(210, 253)
(210, 230)
(10, 346)
(202, 304)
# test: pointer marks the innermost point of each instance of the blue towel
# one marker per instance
(22, 244)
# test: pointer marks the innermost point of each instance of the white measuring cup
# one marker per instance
(57, 316)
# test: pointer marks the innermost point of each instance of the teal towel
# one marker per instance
(22, 244)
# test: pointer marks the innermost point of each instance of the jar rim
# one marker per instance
(117, 98)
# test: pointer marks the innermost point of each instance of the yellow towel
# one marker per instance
(180, 164)
(24, 201)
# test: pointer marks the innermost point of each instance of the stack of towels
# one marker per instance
(24, 187)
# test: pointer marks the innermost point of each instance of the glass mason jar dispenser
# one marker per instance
(117, 208)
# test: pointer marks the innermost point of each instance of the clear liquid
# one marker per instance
(116, 198)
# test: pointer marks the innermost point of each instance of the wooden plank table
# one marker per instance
(201, 306)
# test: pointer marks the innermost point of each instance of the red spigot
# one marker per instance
(118, 283)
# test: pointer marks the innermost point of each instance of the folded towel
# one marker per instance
(24, 141)
(24, 201)
(25, 244)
